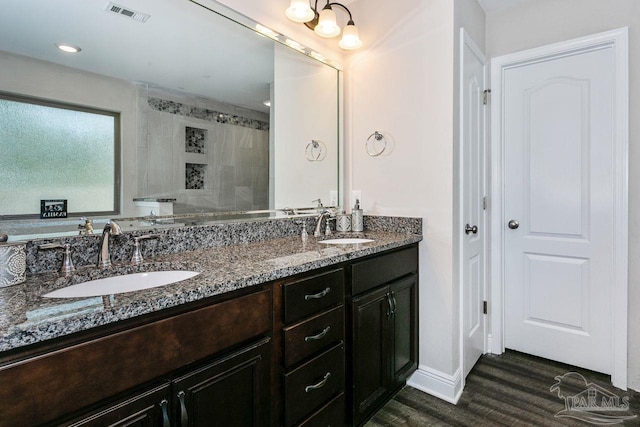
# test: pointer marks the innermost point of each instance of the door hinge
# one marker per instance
(486, 96)
(485, 307)
(485, 202)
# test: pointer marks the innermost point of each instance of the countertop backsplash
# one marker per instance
(84, 249)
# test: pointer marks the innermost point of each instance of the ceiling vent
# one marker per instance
(128, 13)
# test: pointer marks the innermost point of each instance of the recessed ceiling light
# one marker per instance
(267, 103)
(68, 48)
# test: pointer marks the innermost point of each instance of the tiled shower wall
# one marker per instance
(206, 159)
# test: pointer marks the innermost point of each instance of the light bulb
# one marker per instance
(350, 38)
(327, 26)
(68, 48)
(300, 11)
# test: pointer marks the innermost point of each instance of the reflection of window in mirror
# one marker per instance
(57, 151)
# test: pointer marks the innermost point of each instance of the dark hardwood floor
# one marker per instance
(513, 389)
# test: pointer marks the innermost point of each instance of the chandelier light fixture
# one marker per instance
(324, 23)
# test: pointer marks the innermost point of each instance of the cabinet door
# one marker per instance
(231, 391)
(148, 409)
(404, 328)
(371, 361)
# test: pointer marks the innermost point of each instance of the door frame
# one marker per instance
(467, 41)
(618, 41)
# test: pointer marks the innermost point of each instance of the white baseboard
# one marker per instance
(444, 386)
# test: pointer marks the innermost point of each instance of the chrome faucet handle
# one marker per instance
(319, 201)
(136, 258)
(67, 267)
(327, 230)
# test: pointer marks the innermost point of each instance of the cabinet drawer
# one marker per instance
(308, 296)
(306, 338)
(330, 415)
(379, 270)
(312, 384)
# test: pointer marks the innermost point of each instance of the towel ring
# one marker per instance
(315, 151)
(370, 145)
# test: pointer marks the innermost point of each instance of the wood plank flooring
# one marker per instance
(512, 389)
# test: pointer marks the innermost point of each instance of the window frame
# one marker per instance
(117, 182)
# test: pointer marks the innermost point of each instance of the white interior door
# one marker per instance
(473, 124)
(559, 133)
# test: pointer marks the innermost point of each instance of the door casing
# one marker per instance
(618, 40)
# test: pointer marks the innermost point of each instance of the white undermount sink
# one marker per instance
(346, 241)
(121, 284)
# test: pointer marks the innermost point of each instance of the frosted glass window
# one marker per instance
(57, 151)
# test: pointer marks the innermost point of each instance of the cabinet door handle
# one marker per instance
(321, 384)
(389, 303)
(321, 335)
(318, 295)
(165, 413)
(393, 303)
(184, 417)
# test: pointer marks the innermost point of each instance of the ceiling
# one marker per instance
(182, 46)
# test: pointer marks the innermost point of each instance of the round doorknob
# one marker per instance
(469, 229)
(513, 224)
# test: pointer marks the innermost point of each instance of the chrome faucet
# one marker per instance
(325, 213)
(104, 257)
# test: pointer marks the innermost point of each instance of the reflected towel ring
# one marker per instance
(315, 151)
(370, 145)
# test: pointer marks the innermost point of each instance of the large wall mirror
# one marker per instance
(213, 116)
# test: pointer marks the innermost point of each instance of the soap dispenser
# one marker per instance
(357, 217)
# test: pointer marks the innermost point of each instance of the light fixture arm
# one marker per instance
(344, 7)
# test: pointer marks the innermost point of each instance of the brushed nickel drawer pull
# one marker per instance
(321, 384)
(184, 416)
(318, 295)
(165, 413)
(321, 335)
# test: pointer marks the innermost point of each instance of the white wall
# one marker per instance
(402, 85)
(303, 110)
(538, 22)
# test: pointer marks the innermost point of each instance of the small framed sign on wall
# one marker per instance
(53, 209)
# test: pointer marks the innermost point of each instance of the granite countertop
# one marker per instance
(27, 318)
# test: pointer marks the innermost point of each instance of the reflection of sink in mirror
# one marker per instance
(121, 284)
(349, 241)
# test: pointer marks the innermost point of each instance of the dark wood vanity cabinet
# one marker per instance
(214, 358)
(232, 390)
(313, 373)
(150, 408)
(383, 329)
(324, 348)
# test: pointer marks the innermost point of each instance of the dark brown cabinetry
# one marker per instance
(384, 330)
(229, 391)
(146, 409)
(326, 348)
(314, 350)
(95, 373)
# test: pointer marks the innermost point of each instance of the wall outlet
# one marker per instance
(333, 198)
(356, 195)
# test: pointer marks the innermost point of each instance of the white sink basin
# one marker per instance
(350, 241)
(121, 284)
